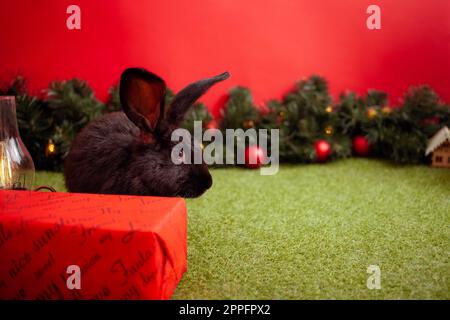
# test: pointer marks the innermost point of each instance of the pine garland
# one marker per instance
(305, 115)
(239, 111)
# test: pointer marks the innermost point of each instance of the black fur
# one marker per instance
(131, 153)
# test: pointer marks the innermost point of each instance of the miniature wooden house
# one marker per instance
(439, 145)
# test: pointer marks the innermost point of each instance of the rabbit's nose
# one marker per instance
(208, 182)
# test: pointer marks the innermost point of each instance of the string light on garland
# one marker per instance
(328, 130)
(50, 148)
(371, 112)
(280, 117)
(386, 110)
(247, 124)
(329, 109)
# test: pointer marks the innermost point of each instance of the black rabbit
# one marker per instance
(129, 152)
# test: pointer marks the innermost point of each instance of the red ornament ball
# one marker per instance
(254, 157)
(323, 150)
(360, 146)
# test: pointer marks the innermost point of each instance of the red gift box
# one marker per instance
(122, 247)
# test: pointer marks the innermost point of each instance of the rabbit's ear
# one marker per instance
(186, 97)
(142, 97)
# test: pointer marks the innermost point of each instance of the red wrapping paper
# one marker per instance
(127, 247)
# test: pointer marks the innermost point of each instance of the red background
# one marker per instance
(266, 45)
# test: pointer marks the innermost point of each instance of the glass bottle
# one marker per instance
(16, 164)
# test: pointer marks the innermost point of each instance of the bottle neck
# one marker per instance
(8, 120)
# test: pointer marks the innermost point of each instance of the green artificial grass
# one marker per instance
(311, 231)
